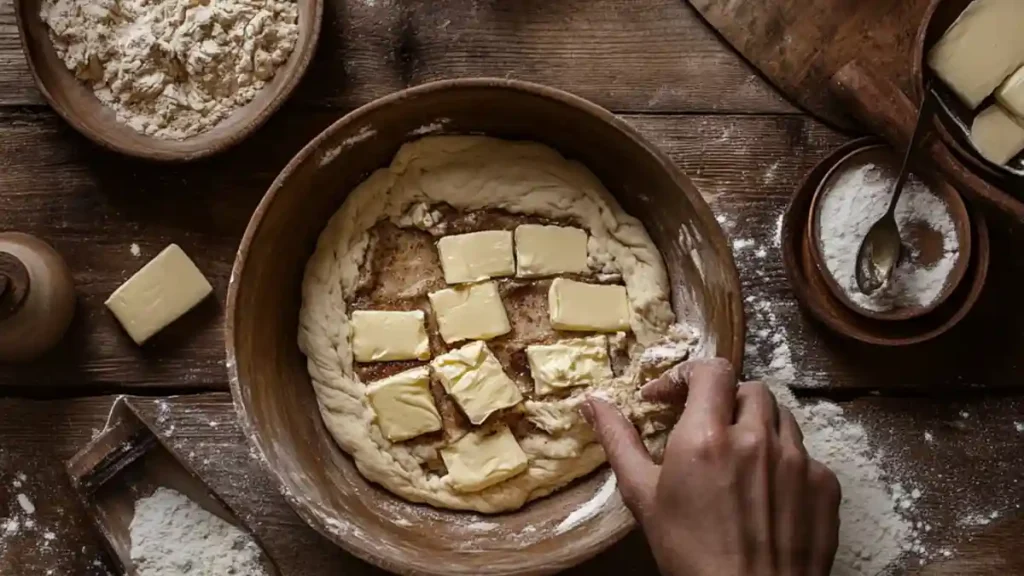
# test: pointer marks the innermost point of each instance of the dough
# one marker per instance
(474, 173)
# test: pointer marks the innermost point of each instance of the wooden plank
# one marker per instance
(969, 469)
(624, 55)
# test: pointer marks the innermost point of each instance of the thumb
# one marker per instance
(637, 474)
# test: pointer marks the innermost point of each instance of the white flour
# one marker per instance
(857, 199)
(173, 68)
(591, 507)
(173, 536)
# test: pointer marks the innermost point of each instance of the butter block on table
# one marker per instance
(476, 380)
(164, 289)
(480, 460)
(476, 256)
(380, 335)
(587, 307)
(1011, 94)
(404, 405)
(981, 49)
(470, 312)
(549, 250)
(573, 362)
(997, 134)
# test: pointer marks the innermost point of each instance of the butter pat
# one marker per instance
(588, 307)
(476, 256)
(475, 379)
(478, 460)
(980, 49)
(550, 250)
(404, 405)
(161, 292)
(575, 362)
(472, 312)
(997, 135)
(379, 335)
(1011, 94)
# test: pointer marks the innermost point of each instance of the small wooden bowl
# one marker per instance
(269, 379)
(882, 155)
(953, 119)
(77, 104)
(813, 293)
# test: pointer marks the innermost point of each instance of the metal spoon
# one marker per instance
(879, 253)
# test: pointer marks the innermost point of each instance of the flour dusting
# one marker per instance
(591, 507)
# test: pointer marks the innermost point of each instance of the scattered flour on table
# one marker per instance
(173, 68)
(1019, 426)
(856, 200)
(173, 536)
(135, 249)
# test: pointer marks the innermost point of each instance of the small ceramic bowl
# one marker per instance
(883, 156)
(812, 291)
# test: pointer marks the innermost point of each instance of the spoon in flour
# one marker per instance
(879, 253)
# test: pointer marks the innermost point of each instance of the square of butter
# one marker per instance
(164, 289)
(1011, 94)
(587, 307)
(997, 135)
(476, 256)
(549, 250)
(379, 335)
(480, 460)
(404, 405)
(471, 312)
(476, 380)
(574, 362)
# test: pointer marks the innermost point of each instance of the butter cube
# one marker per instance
(164, 289)
(1011, 94)
(475, 379)
(479, 460)
(980, 49)
(472, 312)
(587, 307)
(575, 362)
(476, 256)
(997, 135)
(379, 335)
(550, 250)
(404, 405)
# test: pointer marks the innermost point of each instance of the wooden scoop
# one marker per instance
(126, 462)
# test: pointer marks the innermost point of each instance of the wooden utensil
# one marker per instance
(128, 461)
(77, 104)
(269, 378)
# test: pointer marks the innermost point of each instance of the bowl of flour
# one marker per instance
(168, 80)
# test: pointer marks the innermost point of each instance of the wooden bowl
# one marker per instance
(77, 104)
(953, 119)
(813, 293)
(883, 155)
(269, 380)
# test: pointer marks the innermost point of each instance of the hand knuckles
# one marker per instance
(709, 446)
(715, 367)
(825, 482)
(794, 461)
(753, 441)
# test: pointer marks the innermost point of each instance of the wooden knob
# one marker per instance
(37, 298)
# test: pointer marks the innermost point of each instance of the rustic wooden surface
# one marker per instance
(657, 65)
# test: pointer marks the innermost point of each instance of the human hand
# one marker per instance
(736, 493)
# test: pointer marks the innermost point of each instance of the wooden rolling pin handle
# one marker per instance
(14, 285)
(886, 111)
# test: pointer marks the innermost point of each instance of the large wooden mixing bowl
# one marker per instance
(272, 389)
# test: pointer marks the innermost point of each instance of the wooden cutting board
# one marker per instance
(799, 44)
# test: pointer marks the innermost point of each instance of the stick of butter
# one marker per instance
(404, 405)
(158, 294)
(1011, 94)
(379, 335)
(549, 250)
(476, 256)
(473, 312)
(479, 460)
(574, 362)
(587, 307)
(475, 379)
(997, 135)
(980, 49)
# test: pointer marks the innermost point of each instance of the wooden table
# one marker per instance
(652, 62)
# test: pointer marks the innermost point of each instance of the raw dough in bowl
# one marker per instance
(366, 257)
